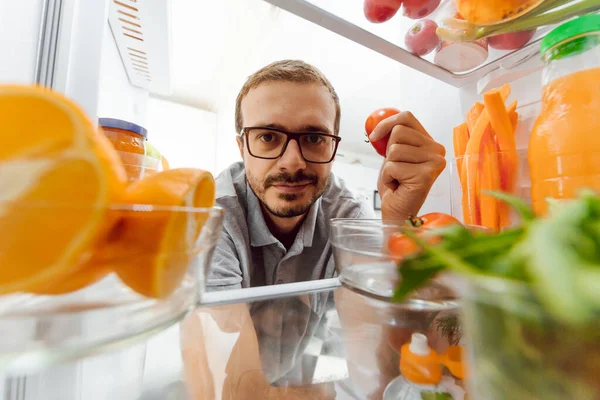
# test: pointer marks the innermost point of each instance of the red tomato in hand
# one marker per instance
(372, 121)
(401, 245)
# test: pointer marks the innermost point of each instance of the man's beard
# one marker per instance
(284, 177)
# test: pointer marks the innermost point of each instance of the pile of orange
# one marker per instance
(66, 219)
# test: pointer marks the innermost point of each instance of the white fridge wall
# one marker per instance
(19, 36)
(117, 98)
(186, 136)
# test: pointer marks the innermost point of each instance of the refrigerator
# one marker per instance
(175, 66)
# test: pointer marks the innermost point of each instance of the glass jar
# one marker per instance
(129, 140)
(564, 147)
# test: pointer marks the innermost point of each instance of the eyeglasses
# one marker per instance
(270, 143)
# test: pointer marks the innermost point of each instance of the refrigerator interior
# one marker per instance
(202, 53)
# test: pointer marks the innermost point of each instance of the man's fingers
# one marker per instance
(404, 118)
(408, 136)
(425, 173)
(406, 153)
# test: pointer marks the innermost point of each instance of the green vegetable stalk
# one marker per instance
(548, 13)
(532, 306)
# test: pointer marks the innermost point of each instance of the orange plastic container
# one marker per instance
(564, 147)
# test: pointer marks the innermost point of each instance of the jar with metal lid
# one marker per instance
(129, 140)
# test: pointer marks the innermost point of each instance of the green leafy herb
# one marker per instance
(557, 256)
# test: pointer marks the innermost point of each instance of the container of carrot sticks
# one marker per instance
(486, 159)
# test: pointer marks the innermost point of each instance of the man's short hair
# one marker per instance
(286, 71)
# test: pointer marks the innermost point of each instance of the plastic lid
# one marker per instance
(124, 125)
(578, 26)
(418, 345)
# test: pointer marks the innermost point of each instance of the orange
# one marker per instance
(152, 246)
(490, 12)
(57, 177)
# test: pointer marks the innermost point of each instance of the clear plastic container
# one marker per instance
(369, 315)
(108, 301)
(518, 351)
(564, 147)
(382, 328)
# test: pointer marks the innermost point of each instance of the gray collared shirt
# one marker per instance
(248, 254)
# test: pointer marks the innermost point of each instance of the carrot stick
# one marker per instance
(500, 119)
(470, 189)
(470, 169)
(461, 137)
(490, 181)
(494, 105)
(473, 116)
(504, 91)
(476, 134)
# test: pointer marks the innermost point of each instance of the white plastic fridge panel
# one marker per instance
(117, 97)
(19, 40)
(79, 54)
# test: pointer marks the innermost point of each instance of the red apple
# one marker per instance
(511, 41)
(417, 9)
(378, 11)
(421, 38)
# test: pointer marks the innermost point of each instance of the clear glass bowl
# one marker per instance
(374, 326)
(41, 329)
(364, 263)
(138, 165)
(518, 351)
(373, 332)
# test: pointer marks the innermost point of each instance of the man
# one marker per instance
(280, 199)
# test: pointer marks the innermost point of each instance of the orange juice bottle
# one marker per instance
(564, 147)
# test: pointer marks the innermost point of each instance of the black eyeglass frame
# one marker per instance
(290, 136)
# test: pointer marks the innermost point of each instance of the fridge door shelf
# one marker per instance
(346, 18)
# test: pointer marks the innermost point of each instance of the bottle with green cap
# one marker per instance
(564, 146)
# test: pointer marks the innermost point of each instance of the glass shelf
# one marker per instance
(346, 18)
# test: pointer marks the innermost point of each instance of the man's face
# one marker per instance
(287, 186)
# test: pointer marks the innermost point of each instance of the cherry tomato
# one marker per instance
(433, 220)
(372, 121)
(401, 245)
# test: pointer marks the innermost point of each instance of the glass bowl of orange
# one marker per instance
(89, 259)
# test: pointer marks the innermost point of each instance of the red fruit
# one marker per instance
(378, 11)
(421, 38)
(375, 118)
(417, 9)
(401, 245)
(511, 41)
